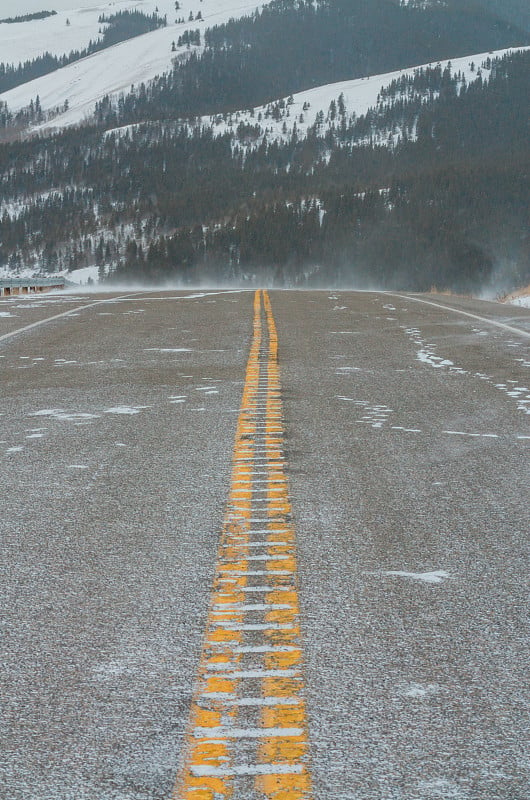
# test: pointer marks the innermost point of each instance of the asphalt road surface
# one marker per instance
(264, 550)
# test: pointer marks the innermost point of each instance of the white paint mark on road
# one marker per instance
(226, 732)
(247, 769)
(495, 323)
(70, 313)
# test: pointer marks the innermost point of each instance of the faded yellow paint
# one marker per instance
(219, 685)
(221, 635)
(283, 751)
(284, 716)
(222, 658)
(283, 659)
(284, 787)
(210, 770)
(207, 719)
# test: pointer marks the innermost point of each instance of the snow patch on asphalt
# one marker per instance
(519, 393)
(441, 788)
(426, 353)
(62, 414)
(168, 350)
(126, 410)
(406, 430)
(426, 577)
(63, 362)
(111, 669)
(418, 690)
(374, 415)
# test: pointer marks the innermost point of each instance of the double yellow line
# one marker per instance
(248, 729)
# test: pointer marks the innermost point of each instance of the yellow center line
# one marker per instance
(247, 737)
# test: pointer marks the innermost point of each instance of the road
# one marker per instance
(388, 656)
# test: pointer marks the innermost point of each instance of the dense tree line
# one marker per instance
(120, 27)
(468, 227)
(515, 11)
(29, 17)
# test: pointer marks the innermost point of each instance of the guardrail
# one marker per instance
(13, 286)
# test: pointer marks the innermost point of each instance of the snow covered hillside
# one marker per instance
(68, 95)
(277, 120)
(81, 84)
(350, 178)
(319, 108)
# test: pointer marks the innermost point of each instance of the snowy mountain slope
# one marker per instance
(359, 96)
(279, 119)
(115, 69)
(13, 8)
(71, 29)
(109, 71)
(24, 41)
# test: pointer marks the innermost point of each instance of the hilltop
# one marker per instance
(343, 142)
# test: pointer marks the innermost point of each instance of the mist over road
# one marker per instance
(406, 440)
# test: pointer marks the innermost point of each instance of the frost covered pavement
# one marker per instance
(406, 438)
